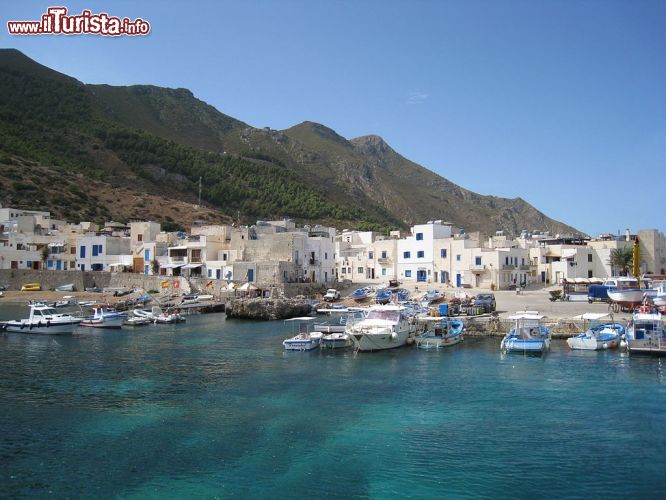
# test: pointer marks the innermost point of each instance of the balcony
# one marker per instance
(478, 268)
(384, 260)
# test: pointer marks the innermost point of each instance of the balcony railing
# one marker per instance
(384, 260)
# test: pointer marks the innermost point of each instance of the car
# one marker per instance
(331, 295)
(487, 301)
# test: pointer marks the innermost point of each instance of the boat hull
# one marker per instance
(591, 343)
(647, 346)
(42, 328)
(525, 345)
(114, 322)
(627, 298)
(336, 341)
(368, 342)
(436, 342)
(301, 344)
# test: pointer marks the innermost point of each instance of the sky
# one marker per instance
(561, 103)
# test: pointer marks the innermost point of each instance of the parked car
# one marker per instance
(487, 301)
(331, 295)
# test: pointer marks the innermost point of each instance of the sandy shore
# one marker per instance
(14, 297)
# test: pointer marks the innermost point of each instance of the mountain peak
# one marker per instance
(372, 145)
(14, 60)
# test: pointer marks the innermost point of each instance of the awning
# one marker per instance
(57, 244)
(191, 266)
(171, 266)
(178, 248)
(568, 253)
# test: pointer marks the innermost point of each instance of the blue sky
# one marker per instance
(561, 103)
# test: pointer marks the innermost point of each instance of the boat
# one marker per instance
(403, 295)
(156, 315)
(646, 333)
(44, 320)
(528, 335)
(336, 340)
(31, 287)
(384, 327)
(336, 337)
(137, 321)
(440, 333)
(361, 294)
(65, 288)
(304, 340)
(625, 292)
(431, 297)
(383, 296)
(659, 299)
(598, 335)
(67, 300)
(104, 318)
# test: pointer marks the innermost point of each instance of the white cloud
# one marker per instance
(416, 97)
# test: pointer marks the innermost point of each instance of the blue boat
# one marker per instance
(383, 296)
(403, 295)
(528, 335)
(440, 333)
(361, 294)
(598, 335)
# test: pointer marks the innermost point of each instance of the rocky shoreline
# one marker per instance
(267, 309)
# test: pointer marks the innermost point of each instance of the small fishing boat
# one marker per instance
(336, 340)
(304, 340)
(65, 288)
(432, 296)
(528, 335)
(156, 315)
(659, 299)
(440, 333)
(646, 333)
(137, 321)
(31, 287)
(361, 294)
(383, 296)
(403, 295)
(104, 318)
(44, 320)
(598, 335)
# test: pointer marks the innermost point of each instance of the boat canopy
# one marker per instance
(591, 316)
(302, 318)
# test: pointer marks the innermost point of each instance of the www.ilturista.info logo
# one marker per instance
(56, 22)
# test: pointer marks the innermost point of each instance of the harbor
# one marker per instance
(269, 419)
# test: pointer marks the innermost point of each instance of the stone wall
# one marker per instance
(13, 279)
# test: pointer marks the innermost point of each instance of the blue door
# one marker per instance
(218, 273)
(443, 276)
(58, 265)
(250, 274)
(420, 275)
(458, 280)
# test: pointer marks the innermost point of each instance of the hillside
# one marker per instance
(153, 143)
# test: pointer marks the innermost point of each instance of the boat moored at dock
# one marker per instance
(646, 333)
(598, 335)
(384, 327)
(45, 321)
(304, 340)
(440, 333)
(528, 335)
(104, 318)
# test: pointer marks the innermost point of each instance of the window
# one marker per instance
(589, 259)
(349, 270)
(94, 250)
(383, 271)
(224, 256)
(477, 261)
(360, 270)
(408, 274)
(458, 257)
(72, 250)
(506, 260)
(442, 253)
(420, 254)
(407, 255)
(371, 255)
(419, 236)
(589, 273)
(342, 271)
(82, 252)
(325, 255)
(384, 254)
(140, 237)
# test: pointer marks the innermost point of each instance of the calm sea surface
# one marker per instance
(216, 408)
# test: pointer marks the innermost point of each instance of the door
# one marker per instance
(444, 277)
(543, 276)
(250, 275)
(420, 276)
(218, 273)
(58, 265)
(458, 280)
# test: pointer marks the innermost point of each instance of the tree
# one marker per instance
(155, 266)
(621, 260)
(45, 253)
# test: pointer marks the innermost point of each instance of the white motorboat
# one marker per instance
(528, 335)
(137, 321)
(304, 340)
(105, 318)
(646, 333)
(384, 327)
(337, 340)
(156, 315)
(44, 320)
(440, 333)
(598, 335)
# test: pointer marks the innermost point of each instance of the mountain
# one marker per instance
(146, 147)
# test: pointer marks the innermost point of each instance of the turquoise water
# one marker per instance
(216, 408)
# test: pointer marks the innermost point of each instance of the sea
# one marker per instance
(215, 408)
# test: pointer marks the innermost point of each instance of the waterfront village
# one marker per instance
(273, 253)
